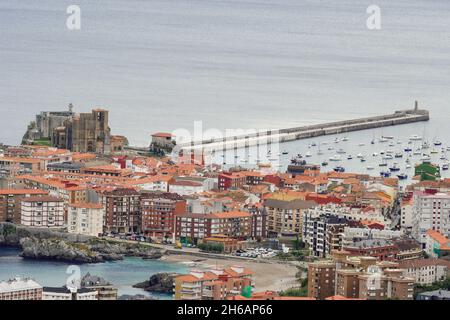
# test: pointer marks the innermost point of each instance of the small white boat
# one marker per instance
(434, 151)
(341, 151)
(345, 139)
(369, 168)
(361, 144)
(415, 137)
(335, 158)
(388, 137)
(375, 154)
(382, 139)
(360, 156)
(408, 166)
(308, 154)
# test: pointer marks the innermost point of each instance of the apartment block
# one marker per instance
(122, 210)
(20, 289)
(44, 212)
(158, 212)
(10, 202)
(85, 218)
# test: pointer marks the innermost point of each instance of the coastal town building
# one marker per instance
(431, 212)
(105, 290)
(215, 284)
(20, 289)
(85, 218)
(195, 226)
(436, 244)
(68, 293)
(11, 200)
(43, 212)
(358, 278)
(285, 216)
(426, 271)
(122, 210)
(158, 212)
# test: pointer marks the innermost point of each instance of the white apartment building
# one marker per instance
(85, 218)
(430, 212)
(351, 235)
(42, 212)
(406, 215)
(66, 293)
(425, 271)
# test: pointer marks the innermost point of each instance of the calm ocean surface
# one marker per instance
(123, 274)
(161, 65)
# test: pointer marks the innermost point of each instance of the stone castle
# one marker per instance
(78, 132)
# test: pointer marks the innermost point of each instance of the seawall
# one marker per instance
(310, 131)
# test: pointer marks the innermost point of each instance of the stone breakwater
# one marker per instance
(305, 132)
(54, 245)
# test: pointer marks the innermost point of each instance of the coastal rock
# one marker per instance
(57, 249)
(160, 282)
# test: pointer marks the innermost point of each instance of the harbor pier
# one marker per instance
(306, 132)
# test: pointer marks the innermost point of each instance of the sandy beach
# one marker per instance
(275, 276)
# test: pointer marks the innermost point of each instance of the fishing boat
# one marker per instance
(445, 166)
(382, 152)
(383, 164)
(313, 144)
(324, 163)
(437, 143)
(385, 174)
(407, 149)
(339, 169)
(349, 157)
(398, 155)
(402, 176)
(391, 144)
(394, 168)
(285, 152)
(372, 142)
(363, 159)
(335, 158)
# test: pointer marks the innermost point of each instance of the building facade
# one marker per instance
(43, 212)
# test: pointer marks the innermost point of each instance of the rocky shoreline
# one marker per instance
(53, 245)
(159, 283)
